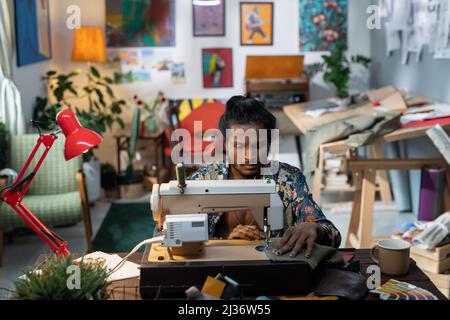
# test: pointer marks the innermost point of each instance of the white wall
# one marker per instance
(188, 48)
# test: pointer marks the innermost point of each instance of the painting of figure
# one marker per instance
(256, 23)
(217, 68)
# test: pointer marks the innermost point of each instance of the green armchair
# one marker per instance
(57, 195)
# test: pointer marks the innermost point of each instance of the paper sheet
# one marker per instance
(128, 271)
(434, 111)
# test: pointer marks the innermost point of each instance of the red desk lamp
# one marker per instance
(78, 141)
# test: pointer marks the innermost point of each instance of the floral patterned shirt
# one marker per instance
(298, 203)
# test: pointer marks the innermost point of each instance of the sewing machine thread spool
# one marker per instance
(181, 176)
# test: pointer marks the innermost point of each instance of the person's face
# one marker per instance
(245, 152)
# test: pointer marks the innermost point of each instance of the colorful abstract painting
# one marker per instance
(323, 24)
(32, 31)
(209, 20)
(217, 68)
(256, 23)
(144, 23)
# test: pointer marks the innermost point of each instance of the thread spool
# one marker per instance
(181, 176)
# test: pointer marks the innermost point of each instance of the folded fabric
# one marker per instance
(345, 284)
(358, 130)
(434, 232)
(320, 254)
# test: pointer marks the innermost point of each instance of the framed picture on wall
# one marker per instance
(256, 23)
(131, 23)
(209, 21)
(217, 64)
(33, 35)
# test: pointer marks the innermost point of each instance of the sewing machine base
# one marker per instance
(168, 275)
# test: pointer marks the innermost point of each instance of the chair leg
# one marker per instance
(86, 210)
(366, 208)
(356, 208)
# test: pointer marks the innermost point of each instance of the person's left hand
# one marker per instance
(295, 237)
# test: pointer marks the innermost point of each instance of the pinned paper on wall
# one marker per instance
(178, 73)
(401, 14)
(393, 41)
(413, 24)
(443, 32)
(133, 65)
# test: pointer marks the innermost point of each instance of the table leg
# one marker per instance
(118, 154)
(355, 214)
(376, 152)
(366, 208)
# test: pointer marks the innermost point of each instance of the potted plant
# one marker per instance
(51, 281)
(151, 123)
(337, 70)
(104, 109)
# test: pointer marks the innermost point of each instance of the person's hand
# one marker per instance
(295, 237)
(246, 233)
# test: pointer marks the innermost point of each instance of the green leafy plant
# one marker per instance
(104, 108)
(3, 146)
(51, 282)
(337, 69)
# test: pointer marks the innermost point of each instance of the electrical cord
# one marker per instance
(159, 239)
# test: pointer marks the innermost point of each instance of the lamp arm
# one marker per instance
(55, 242)
(47, 141)
(14, 197)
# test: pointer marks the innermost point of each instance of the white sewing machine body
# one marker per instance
(178, 209)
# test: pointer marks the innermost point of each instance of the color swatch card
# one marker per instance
(396, 290)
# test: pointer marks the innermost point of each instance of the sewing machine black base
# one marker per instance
(171, 280)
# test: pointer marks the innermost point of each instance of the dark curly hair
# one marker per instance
(245, 110)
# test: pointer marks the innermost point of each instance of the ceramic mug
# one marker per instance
(392, 257)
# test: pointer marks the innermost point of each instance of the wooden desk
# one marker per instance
(129, 289)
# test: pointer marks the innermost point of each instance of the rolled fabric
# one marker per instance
(431, 193)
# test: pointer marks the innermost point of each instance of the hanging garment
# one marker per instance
(10, 106)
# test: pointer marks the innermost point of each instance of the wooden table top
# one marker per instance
(129, 289)
(297, 114)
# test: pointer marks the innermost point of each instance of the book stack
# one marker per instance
(334, 178)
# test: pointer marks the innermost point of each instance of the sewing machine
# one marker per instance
(186, 256)
(181, 211)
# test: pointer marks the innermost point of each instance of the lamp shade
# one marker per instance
(79, 140)
(89, 45)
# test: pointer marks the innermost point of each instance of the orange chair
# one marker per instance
(208, 114)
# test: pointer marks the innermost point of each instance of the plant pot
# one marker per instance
(342, 102)
(109, 180)
(151, 125)
(92, 171)
(131, 186)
